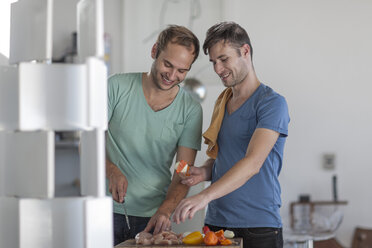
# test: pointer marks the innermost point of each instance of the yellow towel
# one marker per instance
(210, 136)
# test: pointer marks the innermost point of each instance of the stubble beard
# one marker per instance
(157, 81)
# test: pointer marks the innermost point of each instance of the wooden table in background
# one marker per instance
(131, 243)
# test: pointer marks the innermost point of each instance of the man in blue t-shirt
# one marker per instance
(246, 142)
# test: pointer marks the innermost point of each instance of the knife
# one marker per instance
(126, 215)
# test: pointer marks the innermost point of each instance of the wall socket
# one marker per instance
(329, 161)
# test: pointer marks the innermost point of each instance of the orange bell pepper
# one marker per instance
(222, 240)
(210, 238)
(220, 235)
(226, 242)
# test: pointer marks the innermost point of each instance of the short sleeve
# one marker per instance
(273, 114)
(112, 90)
(192, 132)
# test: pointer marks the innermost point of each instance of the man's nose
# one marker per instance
(218, 68)
(173, 75)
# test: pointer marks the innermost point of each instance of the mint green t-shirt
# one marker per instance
(143, 143)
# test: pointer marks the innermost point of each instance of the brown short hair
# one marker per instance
(230, 32)
(178, 35)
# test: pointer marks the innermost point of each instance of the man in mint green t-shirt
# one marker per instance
(151, 119)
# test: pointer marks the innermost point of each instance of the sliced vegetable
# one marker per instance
(210, 238)
(194, 238)
(229, 234)
(182, 167)
(225, 242)
(220, 235)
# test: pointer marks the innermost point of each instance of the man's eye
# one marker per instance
(167, 65)
(224, 59)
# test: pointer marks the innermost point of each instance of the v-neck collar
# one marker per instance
(144, 101)
(244, 103)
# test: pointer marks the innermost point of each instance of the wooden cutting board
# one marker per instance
(237, 243)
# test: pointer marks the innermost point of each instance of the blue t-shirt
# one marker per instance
(257, 202)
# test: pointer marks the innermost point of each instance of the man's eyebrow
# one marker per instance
(184, 69)
(168, 62)
(223, 55)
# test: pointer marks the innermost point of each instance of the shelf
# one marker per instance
(67, 144)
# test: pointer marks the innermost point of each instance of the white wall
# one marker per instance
(144, 19)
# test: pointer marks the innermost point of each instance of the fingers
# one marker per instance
(180, 212)
(118, 192)
(184, 213)
(192, 213)
(115, 195)
(158, 223)
(121, 193)
(188, 207)
(110, 186)
(162, 224)
(194, 178)
(157, 228)
(188, 181)
(118, 186)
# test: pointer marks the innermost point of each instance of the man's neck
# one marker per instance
(156, 98)
(242, 91)
(246, 88)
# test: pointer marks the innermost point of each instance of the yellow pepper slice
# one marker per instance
(194, 238)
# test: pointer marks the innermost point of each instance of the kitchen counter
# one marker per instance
(131, 243)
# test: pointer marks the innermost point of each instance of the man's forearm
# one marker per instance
(207, 166)
(110, 167)
(176, 192)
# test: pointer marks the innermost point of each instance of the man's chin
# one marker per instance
(165, 87)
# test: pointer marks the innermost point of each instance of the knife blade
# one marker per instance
(126, 215)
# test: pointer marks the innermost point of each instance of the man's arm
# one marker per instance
(199, 174)
(262, 142)
(258, 149)
(117, 181)
(176, 192)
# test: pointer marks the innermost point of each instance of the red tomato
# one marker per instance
(206, 229)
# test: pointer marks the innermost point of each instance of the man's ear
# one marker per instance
(245, 50)
(154, 50)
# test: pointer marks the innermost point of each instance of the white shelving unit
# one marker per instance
(37, 99)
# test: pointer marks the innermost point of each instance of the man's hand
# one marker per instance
(159, 222)
(189, 206)
(118, 183)
(196, 175)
